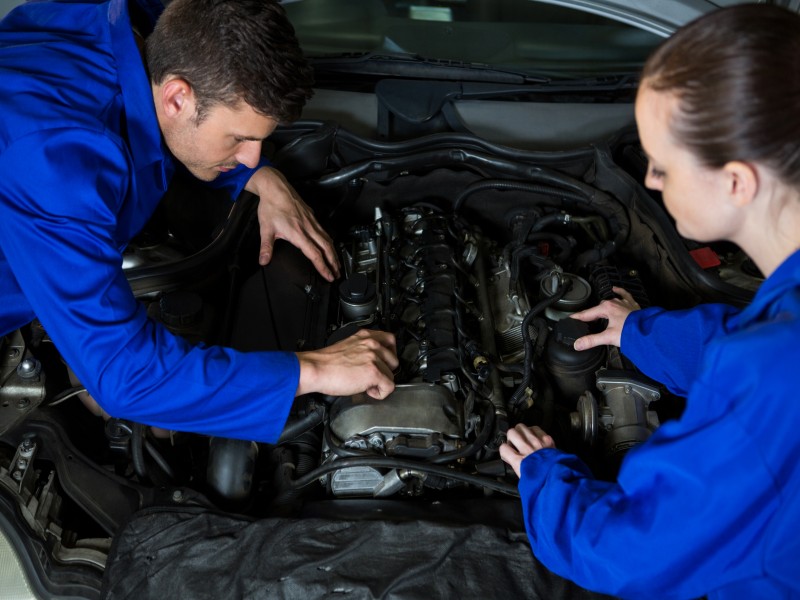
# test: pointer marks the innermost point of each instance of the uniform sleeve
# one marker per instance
(661, 531)
(668, 345)
(59, 197)
(702, 504)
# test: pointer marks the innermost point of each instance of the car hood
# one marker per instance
(661, 18)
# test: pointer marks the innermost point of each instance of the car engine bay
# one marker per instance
(474, 256)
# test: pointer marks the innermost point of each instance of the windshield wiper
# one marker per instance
(416, 66)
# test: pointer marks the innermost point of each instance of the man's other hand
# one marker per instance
(282, 215)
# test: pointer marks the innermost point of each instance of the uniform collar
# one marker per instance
(784, 278)
(144, 134)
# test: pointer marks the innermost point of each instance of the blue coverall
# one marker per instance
(83, 168)
(710, 504)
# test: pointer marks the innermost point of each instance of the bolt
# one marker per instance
(177, 496)
(17, 475)
(23, 403)
(22, 464)
(29, 368)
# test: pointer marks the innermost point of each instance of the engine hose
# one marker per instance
(532, 254)
(160, 460)
(487, 330)
(595, 255)
(306, 454)
(520, 393)
(298, 427)
(475, 446)
(139, 444)
(502, 184)
(137, 452)
(383, 462)
(569, 188)
(305, 463)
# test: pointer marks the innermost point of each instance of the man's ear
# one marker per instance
(741, 180)
(177, 98)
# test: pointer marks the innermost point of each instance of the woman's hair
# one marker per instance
(232, 51)
(736, 74)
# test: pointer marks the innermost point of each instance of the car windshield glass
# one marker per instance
(519, 35)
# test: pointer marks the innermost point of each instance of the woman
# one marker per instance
(710, 504)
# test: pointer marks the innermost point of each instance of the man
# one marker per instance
(88, 143)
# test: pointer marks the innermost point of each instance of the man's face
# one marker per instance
(225, 138)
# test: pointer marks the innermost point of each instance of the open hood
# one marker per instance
(661, 18)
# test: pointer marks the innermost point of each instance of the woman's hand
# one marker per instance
(615, 311)
(522, 441)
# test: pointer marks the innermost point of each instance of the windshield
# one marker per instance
(519, 35)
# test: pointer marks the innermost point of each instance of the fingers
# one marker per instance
(511, 456)
(265, 252)
(590, 314)
(604, 338)
(381, 390)
(282, 214)
(363, 362)
(529, 439)
(523, 441)
(626, 297)
(312, 241)
(383, 344)
(615, 311)
(318, 255)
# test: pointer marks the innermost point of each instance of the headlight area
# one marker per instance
(29, 565)
(13, 578)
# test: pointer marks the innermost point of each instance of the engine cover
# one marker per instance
(417, 419)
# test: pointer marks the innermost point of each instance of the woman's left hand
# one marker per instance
(522, 441)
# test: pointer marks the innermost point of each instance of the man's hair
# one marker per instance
(736, 74)
(232, 51)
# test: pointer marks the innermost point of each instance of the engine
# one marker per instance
(482, 330)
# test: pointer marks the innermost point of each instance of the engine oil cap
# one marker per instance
(357, 296)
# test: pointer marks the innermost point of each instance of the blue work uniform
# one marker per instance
(83, 167)
(710, 504)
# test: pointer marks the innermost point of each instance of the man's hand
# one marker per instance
(283, 215)
(361, 363)
(616, 311)
(522, 441)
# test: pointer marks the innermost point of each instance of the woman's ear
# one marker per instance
(741, 181)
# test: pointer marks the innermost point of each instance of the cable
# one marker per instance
(66, 395)
(160, 460)
(395, 463)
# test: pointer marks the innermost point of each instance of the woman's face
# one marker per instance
(693, 194)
